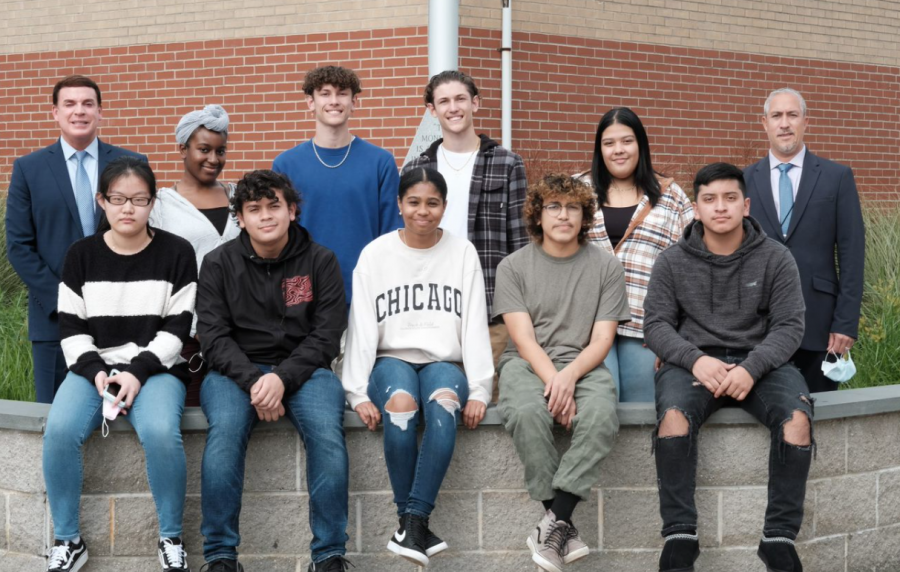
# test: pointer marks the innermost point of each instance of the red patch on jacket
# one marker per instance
(297, 290)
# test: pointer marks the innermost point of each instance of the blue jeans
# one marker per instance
(317, 411)
(774, 399)
(631, 365)
(416, 474)
(156, 418)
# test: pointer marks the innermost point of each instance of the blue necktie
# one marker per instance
(785, 196)
(84, 196)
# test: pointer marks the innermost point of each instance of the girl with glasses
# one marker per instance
(125, 305)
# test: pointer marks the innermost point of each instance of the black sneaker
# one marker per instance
(222, 565)
(333, 564)
(66, 556)
(433, 543)
(409, 540)
(779, 555)
(172, 556)
(679, 553)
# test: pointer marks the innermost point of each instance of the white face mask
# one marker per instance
(841, 370)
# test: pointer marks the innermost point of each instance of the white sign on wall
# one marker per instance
(429, 131)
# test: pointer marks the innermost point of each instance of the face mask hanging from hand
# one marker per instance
(840, 370)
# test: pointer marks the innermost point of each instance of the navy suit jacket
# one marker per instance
(826, 216)
(41, 223)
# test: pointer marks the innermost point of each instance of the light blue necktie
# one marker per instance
(785, 196)
(84, 196)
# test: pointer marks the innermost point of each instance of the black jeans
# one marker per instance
(773, 401)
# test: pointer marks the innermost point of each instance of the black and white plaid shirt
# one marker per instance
(496, 198)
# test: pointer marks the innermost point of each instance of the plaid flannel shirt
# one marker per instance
(496, 198)
(658, 231)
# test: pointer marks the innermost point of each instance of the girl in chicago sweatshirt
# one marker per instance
(418, 350)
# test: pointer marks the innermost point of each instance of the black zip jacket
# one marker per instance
(288, 312)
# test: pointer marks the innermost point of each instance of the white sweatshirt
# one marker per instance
(420, 306)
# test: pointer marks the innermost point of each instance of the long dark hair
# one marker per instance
(123, 167)
(644, 175)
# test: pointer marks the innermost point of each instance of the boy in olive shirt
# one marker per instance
(561, 299)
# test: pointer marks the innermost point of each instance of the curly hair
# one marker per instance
(447, 77)
(555, 186)
(341, 78)
(262, 184)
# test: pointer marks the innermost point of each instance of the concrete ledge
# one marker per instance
(22, 416)
(852, 504)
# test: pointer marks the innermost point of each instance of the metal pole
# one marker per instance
(443, 36)
(506, 77)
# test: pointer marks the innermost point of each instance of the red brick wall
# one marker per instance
(698, 105)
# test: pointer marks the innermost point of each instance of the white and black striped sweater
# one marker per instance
(128, 312)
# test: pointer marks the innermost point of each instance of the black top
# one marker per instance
(616, 220)
(218, 217)
(288, 312)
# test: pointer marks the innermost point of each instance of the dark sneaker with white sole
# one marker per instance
(679, 553)
(222, 565)
(172, 556)
(433, 543)
(779, 555)
(409, 540)
(333, 564)
(67, 556)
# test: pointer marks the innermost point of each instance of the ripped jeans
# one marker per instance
(773, 401)
(417, 473)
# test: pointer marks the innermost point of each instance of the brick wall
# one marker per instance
(699, 105)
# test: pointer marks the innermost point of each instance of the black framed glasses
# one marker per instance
(120, 200)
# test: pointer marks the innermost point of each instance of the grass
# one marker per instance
(877, 352)
(16, 374)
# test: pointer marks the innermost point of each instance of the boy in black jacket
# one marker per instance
(271, 311)
(724, 313)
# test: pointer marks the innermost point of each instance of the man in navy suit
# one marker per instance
(811, 205)
(51, 204)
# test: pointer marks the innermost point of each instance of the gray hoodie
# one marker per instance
(749, 300)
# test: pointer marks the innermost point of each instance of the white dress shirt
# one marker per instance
(793, 175)
(91, 162)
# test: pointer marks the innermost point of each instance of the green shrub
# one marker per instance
(877, 352)
(16, 374)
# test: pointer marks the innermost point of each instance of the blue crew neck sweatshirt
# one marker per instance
(347, 207)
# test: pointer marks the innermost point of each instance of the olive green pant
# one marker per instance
(523, 409)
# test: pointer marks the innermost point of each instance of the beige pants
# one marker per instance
(499, 339)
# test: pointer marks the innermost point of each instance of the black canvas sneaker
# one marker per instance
(409, 540)
(66, 556)
(172, 556)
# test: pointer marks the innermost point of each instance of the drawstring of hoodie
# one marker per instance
(740, 276)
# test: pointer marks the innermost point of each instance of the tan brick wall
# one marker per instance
(845, 30)
(848, 30)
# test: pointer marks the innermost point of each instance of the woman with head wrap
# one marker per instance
(196, 207)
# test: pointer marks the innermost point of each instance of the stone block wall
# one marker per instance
(852, 508)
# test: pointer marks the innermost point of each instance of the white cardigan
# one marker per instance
(174, 213)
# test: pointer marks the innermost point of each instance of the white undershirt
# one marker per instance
(456, 217)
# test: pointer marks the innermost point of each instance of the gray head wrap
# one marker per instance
(213, 117)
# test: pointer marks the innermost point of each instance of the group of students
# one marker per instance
(452, 269)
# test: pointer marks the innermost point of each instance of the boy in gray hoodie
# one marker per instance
(724, 313)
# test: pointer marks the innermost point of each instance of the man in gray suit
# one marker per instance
(811, 205)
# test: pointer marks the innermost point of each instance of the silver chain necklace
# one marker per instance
(316, 151)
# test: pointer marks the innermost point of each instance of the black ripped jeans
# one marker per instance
(773, 401)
